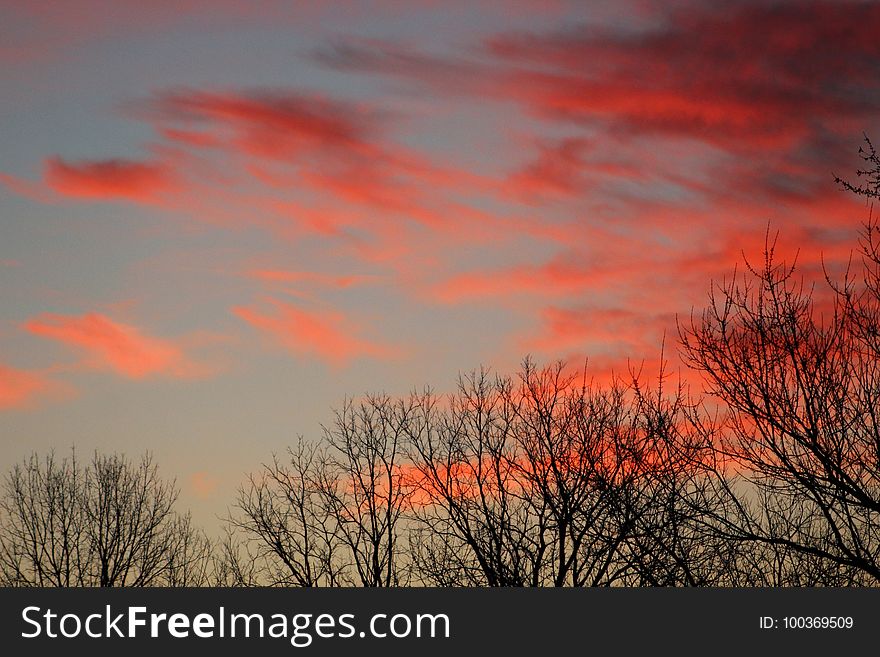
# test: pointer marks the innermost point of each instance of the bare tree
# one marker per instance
(42, 524)
(285, 535)
(467, 498)
(190, 559)
(109, 523)
(575, 459)
(364, 489)
(801, 387)
(869, 185)
(331, 515)
(670, 471)
(550, 479)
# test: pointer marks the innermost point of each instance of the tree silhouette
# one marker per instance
(331, 514)
(107, 523)
(800, 384)
(869, 187)
(285, 536)
(553, 480)
(363, 487)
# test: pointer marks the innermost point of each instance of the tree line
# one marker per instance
(769, 477)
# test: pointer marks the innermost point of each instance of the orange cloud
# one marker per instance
(114, 346)
(109, 179)
(203, 484)
(18, 388)
(325, 335)
(325, 280)
(564, 274)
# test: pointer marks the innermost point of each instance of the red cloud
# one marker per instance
(754, 79)
(277, 125)
(329, 147)
(591, 329)
(115, 346)
(18, 388)
(299, 164)
(615, 342)
(567, 168)
(325, 335)
(763, 73)
(684, 99)
(109, 179)
(557, 171)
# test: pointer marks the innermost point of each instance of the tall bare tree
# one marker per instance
(364, 487)
(332, 514)
(284, 537)
(467, 497)
(551, 479)
(43, 524)
(801, 385)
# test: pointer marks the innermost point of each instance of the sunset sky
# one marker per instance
(218, 219)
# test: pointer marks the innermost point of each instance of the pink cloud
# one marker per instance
(114, 346)
(270, 124)
(328, 336)
(19, 388)
(565, 274)
(335, 149)
(644, 126)
(757, 74)
(27, 188)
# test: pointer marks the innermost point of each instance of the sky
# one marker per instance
(218, 219)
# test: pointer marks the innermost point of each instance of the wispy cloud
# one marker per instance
(327, 335)
(110, 345)
(20, 388)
